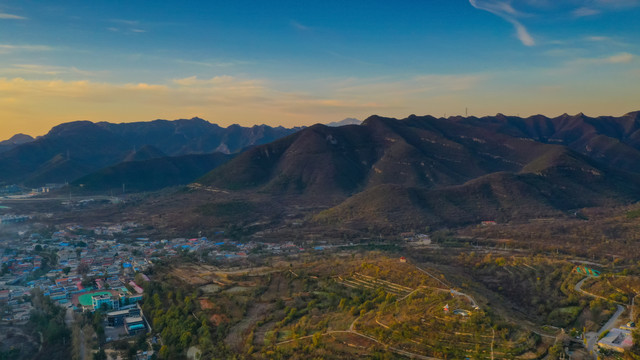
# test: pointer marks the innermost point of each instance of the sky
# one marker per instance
(302, 62)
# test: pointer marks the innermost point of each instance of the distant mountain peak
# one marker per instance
(72, 127)
(347, 121)
(17, 139)
(375, 119)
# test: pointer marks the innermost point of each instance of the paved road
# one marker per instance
(68, 320)
(578, 288)
(592, 337)
(453, 291)
(82, 345)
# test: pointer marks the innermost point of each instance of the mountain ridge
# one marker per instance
(97, 145)
(151, 174)
(445, 171)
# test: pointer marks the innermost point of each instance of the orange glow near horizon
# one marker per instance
(34, 106)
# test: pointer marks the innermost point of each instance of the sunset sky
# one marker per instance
(302, 62)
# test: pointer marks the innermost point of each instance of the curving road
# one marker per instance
(592, 337)
(452, 290)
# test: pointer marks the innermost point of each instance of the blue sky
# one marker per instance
(302, 62)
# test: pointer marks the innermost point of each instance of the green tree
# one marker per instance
(100, 355)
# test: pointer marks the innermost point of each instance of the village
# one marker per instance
(75, 261)
(89, 268)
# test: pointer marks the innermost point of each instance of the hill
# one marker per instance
(93, 146)
(146, 152)
(610, 140)
(429, 171)
(14, 141)
(500, 197)
(152, 174)
(420, 152)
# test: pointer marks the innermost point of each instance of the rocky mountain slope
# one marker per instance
(441, 171)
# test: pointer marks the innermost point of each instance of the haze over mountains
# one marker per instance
(72, 150)
(347, 121)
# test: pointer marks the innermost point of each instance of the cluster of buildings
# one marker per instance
(16, 191)
(13, 219)
(72, 262)
(618, 339)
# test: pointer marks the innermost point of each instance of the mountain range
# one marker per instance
(76, 149)
(151, 174)
(384, 172)
(426, 170)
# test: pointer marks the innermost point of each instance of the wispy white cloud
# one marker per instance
(125, 22)
(298, 26)
(608, 41)
(505, 10)
(50, 70)
(215, 81)
(211, 64)
(621, 58)
(517, 12)
(125, 26)
(585, 11)
(584, 8)
(616, 4)
(416, 86)
(126, 31)
(6, 16)
(8, 48)
(597, 38)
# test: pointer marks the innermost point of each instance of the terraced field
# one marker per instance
(368, 282)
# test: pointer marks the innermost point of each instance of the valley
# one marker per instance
(320, 180)
(419, 238)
